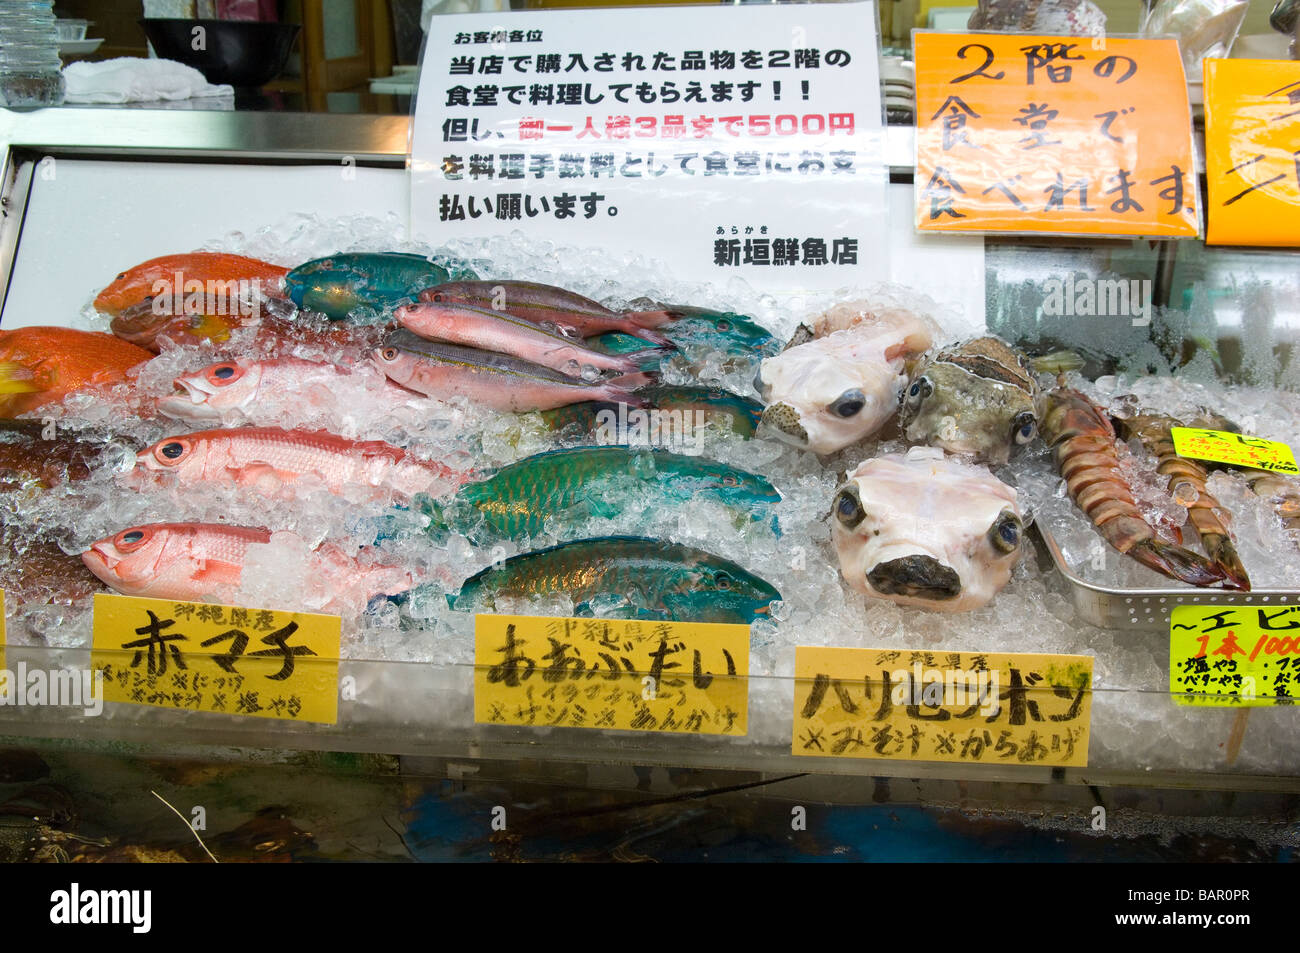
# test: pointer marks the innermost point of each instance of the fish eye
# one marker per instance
(171, 450)
(437, 297)
(848, 508)
(223, 374)
(722, 580)
(848, 403)
(1005, 532)
(731, 480)
(129, 539)
(921, 389)
(1023, 427)
(389, 354)
(724, 325)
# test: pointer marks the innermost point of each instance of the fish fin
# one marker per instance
(802, 335)
(652, 319)
(256, 473)
(634, 381)
(12, 383)
(651, 355)
(1058, 362)
(646, 334)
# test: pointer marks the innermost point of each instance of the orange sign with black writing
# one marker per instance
(1252, 151)
(1054, 134)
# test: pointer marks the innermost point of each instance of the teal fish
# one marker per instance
(653, 579)
(361, 285)
(521, 497)
(698, 331)
(732, 412)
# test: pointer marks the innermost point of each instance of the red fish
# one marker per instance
(272, 459)
(545, 304)
(194, 282)
(42, 365)
(204, 562)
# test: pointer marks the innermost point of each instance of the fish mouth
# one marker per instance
(784, 421)
(188, 402)
(921, 577)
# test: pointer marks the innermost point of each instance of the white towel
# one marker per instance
(130, 79)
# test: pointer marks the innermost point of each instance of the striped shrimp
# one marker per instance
(1084, 441)
(1187, 486)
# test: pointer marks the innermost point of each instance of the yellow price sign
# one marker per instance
(1235, 449)
(627, 675)
(233, 660)
(1252, 132)
(971, 707)
(1057, 134)
(1234, 656)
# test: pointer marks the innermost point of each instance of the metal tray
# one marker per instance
(1147, 610)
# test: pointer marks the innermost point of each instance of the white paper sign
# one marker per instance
(725, 141)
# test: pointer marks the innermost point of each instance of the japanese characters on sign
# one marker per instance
(977, 707)
(1252, 151)
(202, 657)
(1229, 656)
(594, 130)
(688, 678)
(1235, 449)
(1022, 133)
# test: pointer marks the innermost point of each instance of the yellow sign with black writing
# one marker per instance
(228, 659)
(1234, 656)
(1235, 449)
(1057, 134)
(685, 677)
(1252, 131)
(971, 707)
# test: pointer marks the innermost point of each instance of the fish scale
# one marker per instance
(226, 455)
(520, 497)
(659, 579)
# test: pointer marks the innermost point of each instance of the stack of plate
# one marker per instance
(899, 78)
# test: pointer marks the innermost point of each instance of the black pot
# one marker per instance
(236, 52)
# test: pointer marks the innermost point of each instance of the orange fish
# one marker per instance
(42, 365)
(198, 281)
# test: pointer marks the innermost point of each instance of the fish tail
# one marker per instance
(1176, 562)
(652, 319)
(647, 357)
(646, 334)
(13, 379)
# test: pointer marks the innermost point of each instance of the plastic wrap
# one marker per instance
(1065, 17)
(1204, 28)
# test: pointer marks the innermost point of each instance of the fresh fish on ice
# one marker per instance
(494, 380)
(275, 461)
(979, 398)
(547, 305)
(648, 578)
(204, 562)
(496, 331)
(923, 529)
(844, 384)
